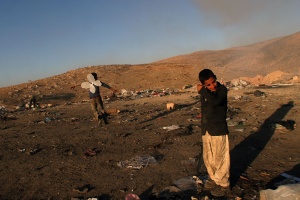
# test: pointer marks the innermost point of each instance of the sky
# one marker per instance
(44, 38)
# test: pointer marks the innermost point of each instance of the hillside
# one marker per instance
(257, 60)
(261, 58)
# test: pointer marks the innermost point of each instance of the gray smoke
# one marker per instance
(250, 21)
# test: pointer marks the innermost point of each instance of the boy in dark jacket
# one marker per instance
(214, 132)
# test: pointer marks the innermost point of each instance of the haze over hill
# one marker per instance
(261, 58)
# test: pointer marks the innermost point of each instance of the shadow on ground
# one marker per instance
(243, 154)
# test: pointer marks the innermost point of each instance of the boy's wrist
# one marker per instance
(199, 87)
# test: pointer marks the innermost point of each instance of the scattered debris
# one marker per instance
(82, 190)
(183, 188)
(132, 197)
(170, 106)
(138, 162)
(190, 161)
(244, 178)
(288, 125)
(2, 110)
(259, 93)
(48, 119)
(186, 183)
(199, 116)
(288, 192)
(33, 151)
(264, 174)
(290, 177)
(74, 119)
(187, 86)
(172, 127)
(112, 111)
(91, 152)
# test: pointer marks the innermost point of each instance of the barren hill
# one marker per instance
(261, 58)
(248, 61)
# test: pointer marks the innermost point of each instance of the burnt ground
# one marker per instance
(59, 152)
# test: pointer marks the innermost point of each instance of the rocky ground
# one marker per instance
(59, 152)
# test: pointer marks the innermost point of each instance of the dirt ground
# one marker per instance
(59, 152)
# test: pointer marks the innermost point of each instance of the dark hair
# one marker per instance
(206, 74)
(94, 75)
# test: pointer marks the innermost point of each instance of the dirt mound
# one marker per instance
(276, 77)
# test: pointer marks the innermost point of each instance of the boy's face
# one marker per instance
(211, 84)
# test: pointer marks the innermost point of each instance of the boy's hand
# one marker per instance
(72, 88)
(114, 91)
(199, 87)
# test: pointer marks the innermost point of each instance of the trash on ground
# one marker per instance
(91, 152)
(3, 111)
(132, 197)
(138, 162)
(288, 125)
(190, 161)
(283, 192)
(264, 174)
(187, 86)
(290, 177)
(112, 111)
(171, 128)
(170, 106)
(82, 190)
(244, 178)
(193, 120)
(48, 119)
(168, 192)
(198, 180)
(187, 183)
(286, 181)
(239, 130)
(74, 119)
(33, 151)
(259, 93)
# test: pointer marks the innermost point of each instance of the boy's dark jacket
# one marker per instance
(97, 90)
(214, 111)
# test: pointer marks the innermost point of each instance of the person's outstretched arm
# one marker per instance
(73, 87)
